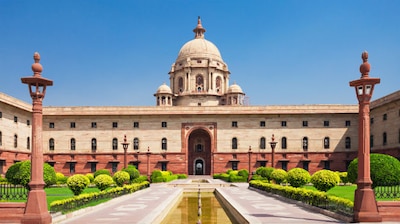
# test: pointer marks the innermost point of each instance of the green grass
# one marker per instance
(342, 191)
(59, 193)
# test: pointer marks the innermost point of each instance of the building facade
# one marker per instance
(200, 125)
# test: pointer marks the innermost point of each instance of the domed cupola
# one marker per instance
(163, 95)
(235, 95)
(199, 76)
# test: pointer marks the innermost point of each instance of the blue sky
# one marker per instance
(117, 53)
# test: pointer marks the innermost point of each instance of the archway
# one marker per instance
(199, 153)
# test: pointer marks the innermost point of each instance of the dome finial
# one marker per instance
(365, 67)
(199, 30)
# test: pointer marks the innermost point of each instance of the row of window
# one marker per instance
(114, 144)
(114, 124)
(284, 123)
(28, 122)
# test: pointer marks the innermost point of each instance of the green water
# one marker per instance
(186, 210)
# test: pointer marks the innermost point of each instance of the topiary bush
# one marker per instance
(157, 176)
(343, 177)
(279, 176)
(132, 171)
(265, 172)
(297, 177)
(60, 178)
(121, 177)
(90, 176)
(21, 174)
(140, 179)
(385, 170)
(77, 183)
(324, 180)
(103, 181)
(102, 171)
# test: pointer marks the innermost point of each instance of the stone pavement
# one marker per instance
(151, 205)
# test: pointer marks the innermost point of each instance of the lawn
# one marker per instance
(342, 191)
(59, 193)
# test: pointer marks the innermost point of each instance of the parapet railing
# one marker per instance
(10, 192)
(387, 192)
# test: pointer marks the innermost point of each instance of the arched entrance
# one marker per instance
(199, 153)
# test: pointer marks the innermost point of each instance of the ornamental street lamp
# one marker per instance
(36, 206)
(365, 206)
(125, 145)
(273, 144)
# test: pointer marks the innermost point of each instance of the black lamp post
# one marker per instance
(125, 145)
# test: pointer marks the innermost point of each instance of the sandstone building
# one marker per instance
(200, 125)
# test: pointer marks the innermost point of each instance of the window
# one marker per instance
(283, 123)
(305, 123)
(164, 124)
(51, 144)
(347, 123)
(284, 143)
(371, 141)
(372, 120)
(15, 141)
(234, 124)
(384, 142)
(327, 165)
(234, 165)
(305, 143)
(326, 123)
(15, 119)
(199, 148)
(384, 117)
(71, 168)
(93, 167)
(305, 165)
(1, 138)
(164, 166)
(326, 143)
(94, 144)
(73, 142)
(114, 167)
(263, 163)
(115, 124)
(115, 144)
(284, 165)
(262, 123)
(136, 124)
(94, 125)
(28, 143)
(234, 143)
(72, 125)
(180, 84)
(1, 114)
(164, 144)
(51, 125)
(348, 143)
(262, 143)
(135, 143)
(28, 122)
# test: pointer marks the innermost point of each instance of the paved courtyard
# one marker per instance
(149, 206)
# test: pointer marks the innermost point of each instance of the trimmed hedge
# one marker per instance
(102, 171)
(121, 177)
(385, 170)
(77, 183)
(60, 178)
(103, 181)
(233, 175)
(90, 176)
(298, 177)
(324, 180)
(158, 176)
(132, 171)
(20, 173)
(75, 202)
(314, 198)
(279, 176)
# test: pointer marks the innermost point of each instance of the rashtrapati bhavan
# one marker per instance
(200, 125)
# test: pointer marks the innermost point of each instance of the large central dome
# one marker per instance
(199, 47)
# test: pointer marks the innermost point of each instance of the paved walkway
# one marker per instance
(150, 205)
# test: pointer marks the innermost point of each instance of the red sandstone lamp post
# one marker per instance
(273, 145)
(125, 145)
(36, 207)
(365, 206)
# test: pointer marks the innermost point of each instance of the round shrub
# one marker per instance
(121, 177)
(343, 177)
(103, 181)
(279, 176)
(21, 174)
(243, 173)
(60, 178)
(132, 171)
(265, 172)
(324, 180)
(102, 171)
(297, 177)
(385, 170)
(157, 176)
(90, 176)
(77, 183)
(140, 179)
